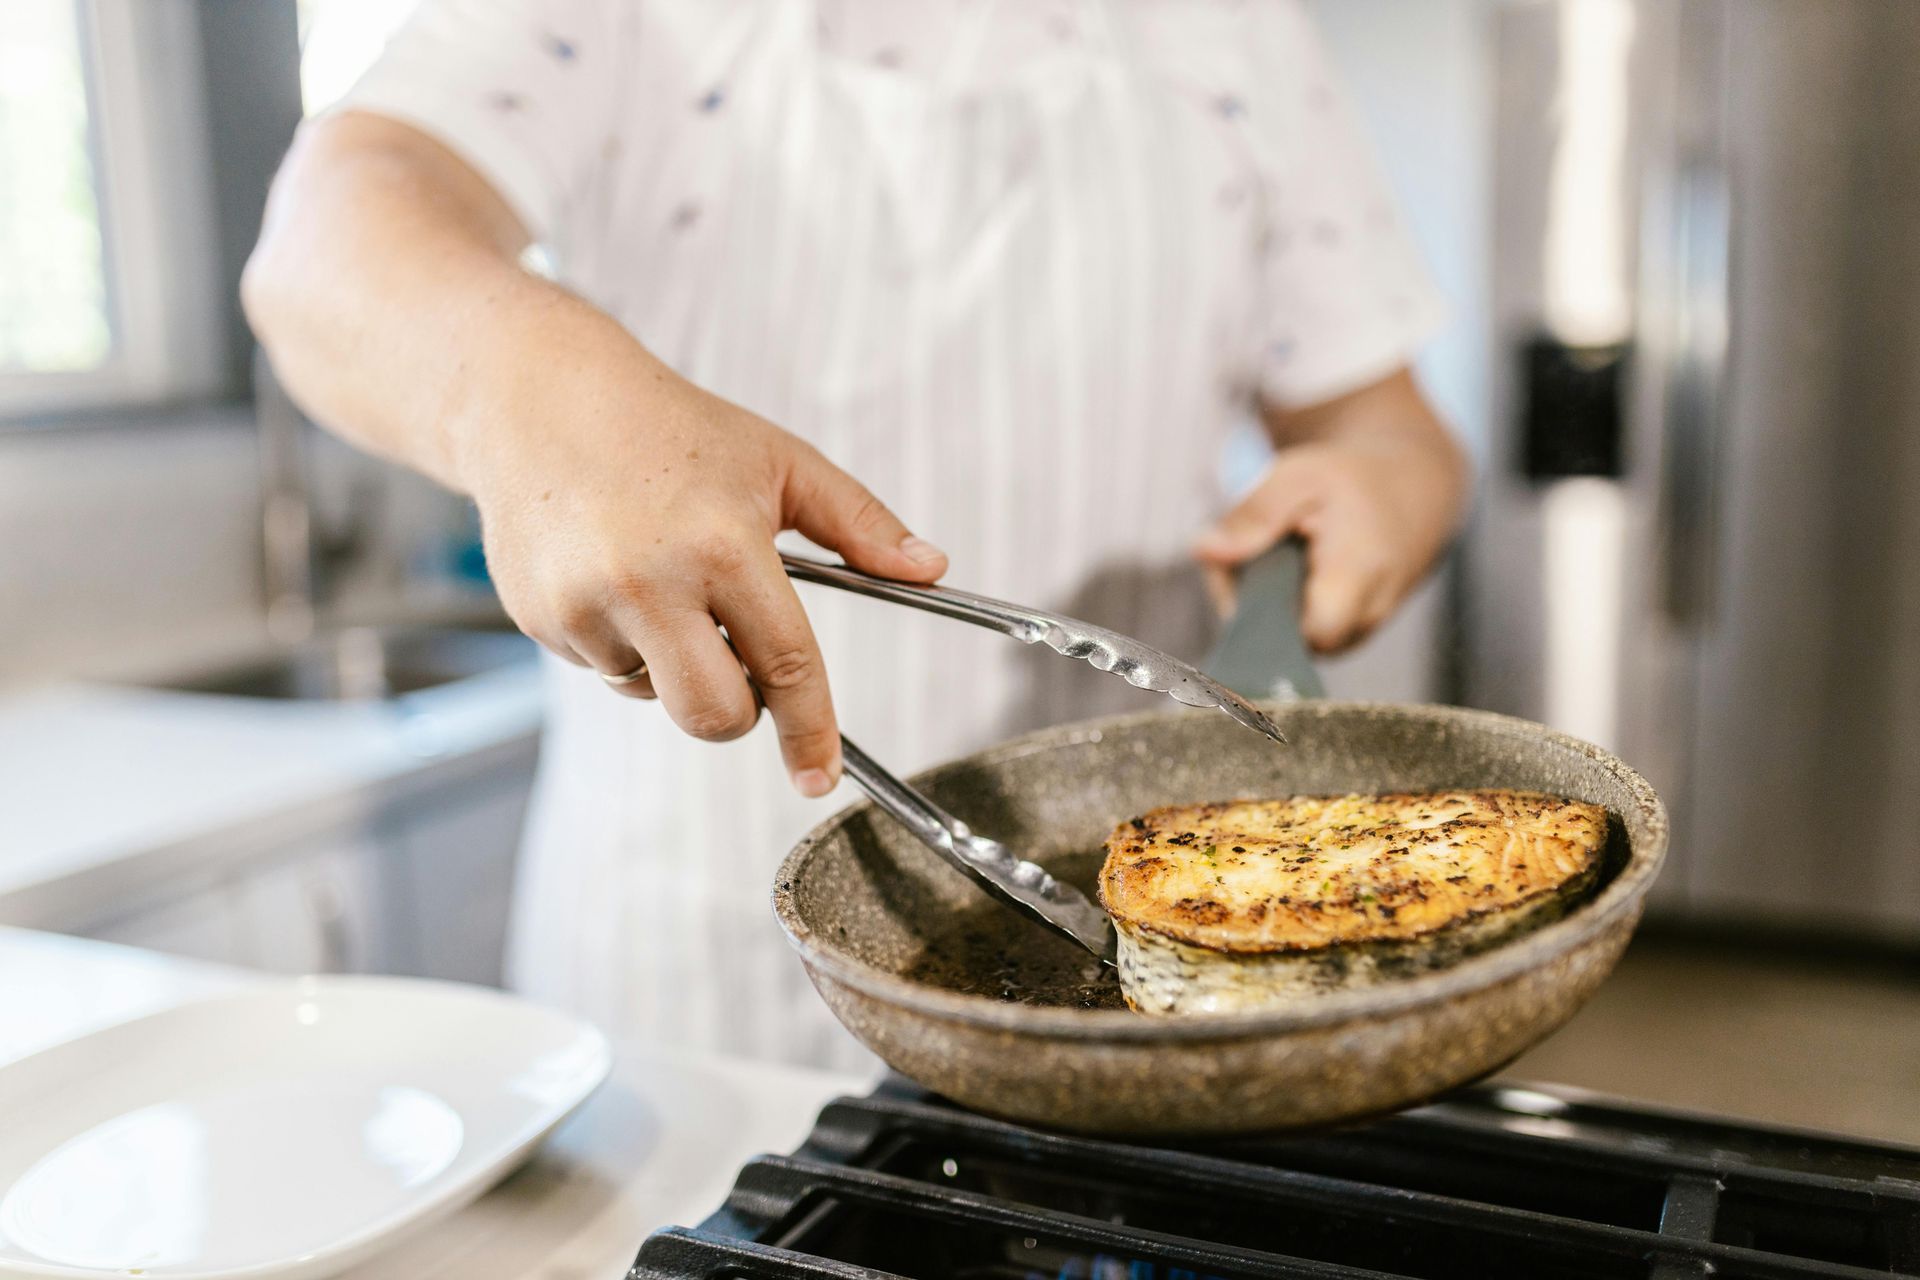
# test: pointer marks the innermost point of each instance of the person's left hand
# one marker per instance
(1375, 485)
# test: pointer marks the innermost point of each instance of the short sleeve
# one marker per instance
(1343, 296)
(525, 91)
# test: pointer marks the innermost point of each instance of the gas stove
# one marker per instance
(1493, 1181)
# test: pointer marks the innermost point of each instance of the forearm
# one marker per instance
(628, 516)
(387, 289)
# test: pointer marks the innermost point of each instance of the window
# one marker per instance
(54, 311)
(109, 277)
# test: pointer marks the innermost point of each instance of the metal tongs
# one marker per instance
(1024, 885)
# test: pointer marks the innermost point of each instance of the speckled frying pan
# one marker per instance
(957, 991)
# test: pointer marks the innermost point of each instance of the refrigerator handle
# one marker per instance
(1696, 385)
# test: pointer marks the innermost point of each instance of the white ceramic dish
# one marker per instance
(287, 1130)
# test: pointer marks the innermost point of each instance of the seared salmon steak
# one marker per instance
(1263, 903)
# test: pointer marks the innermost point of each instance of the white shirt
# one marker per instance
(1018, 265)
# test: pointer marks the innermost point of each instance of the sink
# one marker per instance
(364, 664)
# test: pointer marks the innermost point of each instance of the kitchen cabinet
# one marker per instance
(316, 911)
(421, 886)
(200, 926)
(447, 865)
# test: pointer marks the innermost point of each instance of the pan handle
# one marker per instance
(1261, 653)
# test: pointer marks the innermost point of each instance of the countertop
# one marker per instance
(659, 1143)
(112, 789)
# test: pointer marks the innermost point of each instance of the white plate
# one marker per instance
(286, 1131)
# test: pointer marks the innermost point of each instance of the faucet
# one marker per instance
(295, 553)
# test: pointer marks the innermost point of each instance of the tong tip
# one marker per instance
(1252, 717)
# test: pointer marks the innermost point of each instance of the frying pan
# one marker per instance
(955, 991)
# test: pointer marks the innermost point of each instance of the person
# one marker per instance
(986, 276)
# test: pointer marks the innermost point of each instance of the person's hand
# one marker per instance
(628, 516)
(1375, 485)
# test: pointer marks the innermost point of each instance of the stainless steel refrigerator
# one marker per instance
(1699, 540)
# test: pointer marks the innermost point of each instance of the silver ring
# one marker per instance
(634, 676)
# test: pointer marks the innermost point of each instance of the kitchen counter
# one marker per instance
(111, 792)
(659, 1143)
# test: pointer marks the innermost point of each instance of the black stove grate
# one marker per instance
(1495, 1181)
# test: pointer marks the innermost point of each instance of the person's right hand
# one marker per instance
(628, 516)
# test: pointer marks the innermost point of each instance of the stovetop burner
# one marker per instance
(1495, 1181)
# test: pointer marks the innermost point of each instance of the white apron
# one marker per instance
(1017, 266)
